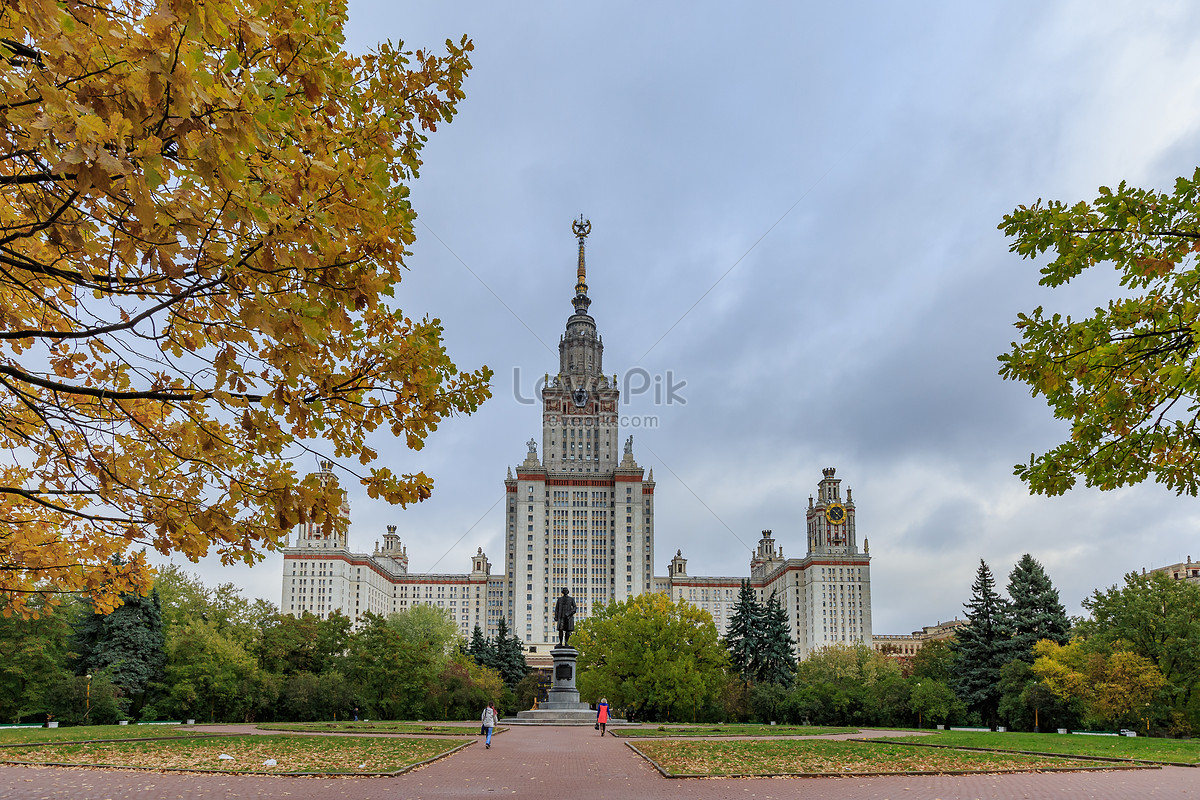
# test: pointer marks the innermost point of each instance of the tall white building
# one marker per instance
(581, 517)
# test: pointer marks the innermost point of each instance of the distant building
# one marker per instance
(322, 575)
(1184, 571)
(582, 517)
(907, 645)
(827, 593)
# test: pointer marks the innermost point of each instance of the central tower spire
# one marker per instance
(580, 351)
(581, 228)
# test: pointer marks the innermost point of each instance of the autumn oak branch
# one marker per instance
(1126, 378)
(205, 216)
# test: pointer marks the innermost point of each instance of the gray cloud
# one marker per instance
(861, 332)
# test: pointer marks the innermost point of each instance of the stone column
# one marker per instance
(563, 694)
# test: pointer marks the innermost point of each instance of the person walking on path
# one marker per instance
(489, 722)
(602, 714)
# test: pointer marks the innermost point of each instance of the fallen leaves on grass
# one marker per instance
(833, 757)
(371, 727)
(730, 730)
(249, 754)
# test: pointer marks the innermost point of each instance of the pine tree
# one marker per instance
(1036, 612)
(743, 637)
(509, 656)
(128, 643)
(478, 649)
(513, 666)
(983, 646)
(775, 659)
(496, 646)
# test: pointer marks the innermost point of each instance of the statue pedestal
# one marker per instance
(561, 706)
(563, 695)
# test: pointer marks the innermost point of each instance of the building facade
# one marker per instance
(581, 517)
(1183, 571)
(906, 645)
(321, 575)
(827, 593)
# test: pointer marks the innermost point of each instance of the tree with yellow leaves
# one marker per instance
(1109, 688)
(204, 217)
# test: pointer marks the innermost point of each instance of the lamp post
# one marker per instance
(87, 714)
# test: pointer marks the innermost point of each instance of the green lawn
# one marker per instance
(1182, 751)
(81, 733)
(823, 756)
(321, 754)
(372, 727)
(726, 730)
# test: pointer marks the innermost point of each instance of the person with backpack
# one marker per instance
(489, 721)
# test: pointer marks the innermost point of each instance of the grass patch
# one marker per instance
(1178, 751)
(660, 731)
(371, 727)
(327, 755)
(825, 757)
(81, 733)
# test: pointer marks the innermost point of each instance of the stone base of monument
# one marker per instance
(562, 705)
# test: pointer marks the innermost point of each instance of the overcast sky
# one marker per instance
(794, 211)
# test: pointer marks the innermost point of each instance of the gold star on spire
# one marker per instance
(581, 228)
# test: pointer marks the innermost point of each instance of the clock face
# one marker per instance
(580, 397)
(835, 514)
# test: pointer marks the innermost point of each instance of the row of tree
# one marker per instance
(1020, 661)
(1001, 631)
(189, 651)
(654, 658)
(1135, 662)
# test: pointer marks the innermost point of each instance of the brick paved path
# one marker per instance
(557, 763)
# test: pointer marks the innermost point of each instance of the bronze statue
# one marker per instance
(564, 617)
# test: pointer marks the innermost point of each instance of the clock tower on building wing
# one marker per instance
(831, 528)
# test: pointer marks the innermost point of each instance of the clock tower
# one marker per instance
(831, 528)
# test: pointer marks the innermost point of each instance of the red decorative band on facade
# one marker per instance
(415, 578)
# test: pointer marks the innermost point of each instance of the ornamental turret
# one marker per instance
(330, 532)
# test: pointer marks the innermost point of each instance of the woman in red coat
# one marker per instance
(602, 714)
